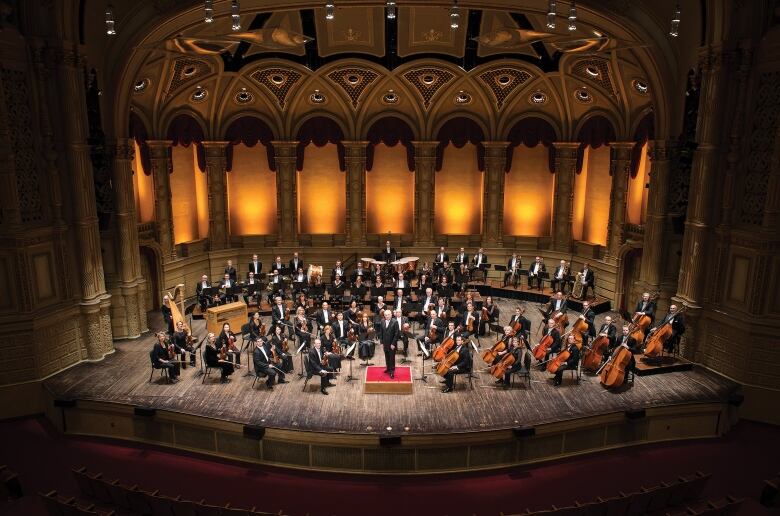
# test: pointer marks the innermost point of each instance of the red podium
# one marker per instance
(379, 382)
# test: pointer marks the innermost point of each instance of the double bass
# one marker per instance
(613, 373)
(450, 360)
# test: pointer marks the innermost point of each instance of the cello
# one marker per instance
(592, 358)
(642, 322)
(440, 353)
(500, 369)
(580, 327)
(491, 354)
(613, 373)
(656, 340)
(450, 360)
(559, 360)
(540, 351)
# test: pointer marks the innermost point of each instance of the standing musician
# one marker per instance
(231, 271)
(405, 329)
(608, 329)
(462, 257)
(255, 266)
(324, 315)
(513, 266)
(338, 270)
(204, 300)
(277, 265)
(571, 362)
(227, 283)
(462, 365)
(279, 314)
(470, 320)
(167, 315)
(303, 329)
(522, 363)
(677, 320)
(328, 340)
(316, 366)
(536, 269)
(442, 257)
(252, 280)
(434, 330)
(182, 340)
(588, 281)
(480, 260)
(388, 334)
(295, 262)
(557, 304)
(366, 332)
(558, 281)
(161, 359)
(388, 253)
(211, 357)
(263, 358)
(256, 327)
(552, 330)
(226, 343)
(646, 306)
(490, 313)
(525, 324)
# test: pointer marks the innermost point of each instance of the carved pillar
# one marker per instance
(9, 195)
(424, 190)
(95, 301)
(286, 192)
(355, 159)
(563, 204)
(160, 153)
(216, 165)
(620, 166)
(126, 235)
(493, 210)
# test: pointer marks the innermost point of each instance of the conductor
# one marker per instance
(389, 334)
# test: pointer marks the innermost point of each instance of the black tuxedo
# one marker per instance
(389, 333)
(337, 290)
(559, 283)
(610, 331)
(389, 255)
(588, 280)
(341, 274)
(476, 316)
(262, 358)
(648, 309)
(571, 363)
(533, 274)
(316, 367)
(462, 258)
(231, 272)
(678, 328)
(525, 325)
(590, 315)
(340, 331)
(463, 365)
(364, 273)
(442, 257)
(564, 304)
(277, 267)
(431, 302)
(204, 301)
(508, 273)
(256, 269)
(294, 267)
(321, 322)
(483, 262)
(279, 313)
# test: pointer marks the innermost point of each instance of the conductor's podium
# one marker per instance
(233, 313)
(379, 382)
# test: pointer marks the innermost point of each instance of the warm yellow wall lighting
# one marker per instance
(321, 192)
(251, 187)
(390, 192)
(528, 193)
(637, 193)
(143, 190)
(202, 195)
(458, 199)
(598, 190)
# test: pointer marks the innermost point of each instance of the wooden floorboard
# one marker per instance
(122, 377)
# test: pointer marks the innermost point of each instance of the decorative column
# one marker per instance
(563, 205)
(620, 167)
(160, 153)
(216, 168)
(95, 301)
(129, 259)
(285, 156)
(355, 159)
(493, 211)
(424, 190)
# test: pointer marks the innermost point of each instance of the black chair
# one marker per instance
(207, 372)
(522, 374)
(248, 344)
(163, 370)
(307, 368)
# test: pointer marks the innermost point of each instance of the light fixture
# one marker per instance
(208, 11)
(110, 26)
(390, 10)
(573, 16)
(235, 15)
(330, 11)
(454, 15)
(551, 14)
(674, 29)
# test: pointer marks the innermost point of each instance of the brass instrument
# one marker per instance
(576, 290)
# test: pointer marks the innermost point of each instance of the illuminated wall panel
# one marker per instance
(322, 194)
(390, 192)
(251, 187)
(143, 190)
(458, 201)
(528, 193)
(189, 196)
(592, 191)
(637, 193)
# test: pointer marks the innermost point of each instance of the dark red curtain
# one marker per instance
(139, 134)
(597, 131)
(531, 132)
(320, 131)
(459, 132)
(644, 131)
(184, 130)
(250, 131)
(391, 131)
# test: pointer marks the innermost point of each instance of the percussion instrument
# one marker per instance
(367, 263)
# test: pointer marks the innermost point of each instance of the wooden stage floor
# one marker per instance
(123, 377)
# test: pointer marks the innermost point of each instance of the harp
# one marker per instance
(177, 307)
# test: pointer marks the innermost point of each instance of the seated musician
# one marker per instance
(161, 358)
(388, 253)
(462, 277)
(252, 280)
(492, 311)
(552, 330)
(379, 307)
(182, 340)
(442, 309)
(328, 339)
(426, 269)
(255, 266)
(626, 340)
(301, 301)
(423, 282)
(299, 280)
(226, 284)
(534, 271)
(366, 332)
(557, 304)
(378, 274)
(279, 344)
(558, 280)
(463, 364)
(427, 301)
(399, 302)
(677, 320)
(440, 259)
(513, 266)
(352, 314)
(295, 262)
(470, 320)
(571, 363)
(608, 330)
(359, 272)
(316, 366)
(226, 343)
(264, 364)
(378, 288)
(444, 289)
(431, 338)
(204, 300)
(588, 281)
(341, 328)
(404, 327)
(231, 271)
(279, 314)
(337, 287)
(256, 327)
(446, 272)
(358, 290)
(522, 363)
(507, 339)
(480, 260)
(525, 324)
(303, 329)
(461, 257)
(589, 316)
(401, 283)
(338, 270)
(167, 314)
(277, 285)
(211, 357)
(646, 307)
(277, 265)
(324, 315)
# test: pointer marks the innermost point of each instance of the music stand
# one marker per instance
(568, 281)
(520, 272)
(544, 275)
(424, 352)
(350, 359)
(302, 374)
(209, 293)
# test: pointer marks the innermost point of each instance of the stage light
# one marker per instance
(110, 25)
(573, 16)
(235, 15)
(454, 15)
(330, 11)
(208, 10)
(674, 29)
(390, 10)
(551, 14)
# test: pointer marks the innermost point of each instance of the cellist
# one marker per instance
(507, 339)
(552, 330)
(463, 364)
(571, 362)
(525, 324)
(522, 363)
(646, 306)
(470, 320)
(625, 340)
(677, 320)
(434, 329)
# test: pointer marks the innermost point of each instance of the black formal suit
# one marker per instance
(628, 341)
(341, 271)
(295, 266)
(315, 367)
(482, 262)
(257, 268)
(399, 304)
(525, 325)
(508, 274)
(359, 272)
(378, 290)
(324, 317)
(212, 360)
(463, 365)
(610, 331)
(277, 266)
(358, 292)
(426, 303)
(648, 308)
(678, 328)
(533, 274)
(263, 358)
(571, 363)
(559, 283)
(441, 328)
(279, 314)
(167, 318)
(228, 298)
(462, 258)
(588, 280)
(389, 333)
(203, 300)
(337, 289)
(475, 316)
(522, 363)
(231, 272)
(590, 315)
(389, 255)
(404, 336)
(556, 305)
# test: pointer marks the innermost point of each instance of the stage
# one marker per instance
(483, 428)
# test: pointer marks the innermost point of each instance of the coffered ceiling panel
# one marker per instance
(427, 29)
(353, 29)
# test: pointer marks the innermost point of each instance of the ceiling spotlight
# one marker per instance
(235, 15)
(110, 26)
(573, 16)
(454, 15)
(330, 11)
(674, 29)
(390, 10)
(208, 11)
(551, 14)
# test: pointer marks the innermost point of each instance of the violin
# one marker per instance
(592, 358)
(450, 360)
(500, 369)
(613, 374)
(559, 361)
(655, 342)
(491, 354)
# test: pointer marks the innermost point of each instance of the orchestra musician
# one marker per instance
(161, 359)
(426, 303)
(388, 253)
(534, 271)
(558, 281)
(442, 309)
(589, 316)
(507, 340)
(626, 340)
(296, 263)
(525, 324)
(226, 342)
(277, 265)
(299, 280)
(352, 314)
(377, 274)
(462, 365)
(404, 329)
(462, 257)
(571, 362)
(552, 330)
(379, 308)
(301, 301)
(588, 281)
(462, 277)
(316, 366)
(431, 338)
(441, 257)
(557, 304)
(324, 315)
(444, 290)
(182, 340)
(480, 260)
(252, 280)
(470, 320)
(399, 303)
(646, 306)
(389, 333)
(328, 340)
(677, 320)
(492, 311)
(255, 327)
(513, 266)
(608, 329)
(264, 363)
(366, 332)
(378, 288)
(359, 272)
(423, 282)
(276, 285)
(303, 329)
(211, 357)
(338, 270)
(231, 271)
(358, 290)
(255, 266)
(167, 315)
(426, 269)
(522, 363)
(337, 287)
(341, 329)
(279, 314)
(204, 300)
(226, 284)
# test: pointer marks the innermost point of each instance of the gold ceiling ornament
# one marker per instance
(351, 35)
(268, 39)
(279, 81)
(431, 35)
(353, 81)
(510, 38)
(427, 81)
(503, 81)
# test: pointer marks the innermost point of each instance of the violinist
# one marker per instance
(366, 334)
(677, 320)
(256, 327)
(558, 280)
(167, 315)
(463, 364)
(557, 304)
(389, 333)
(295, 262)
(522, 361)
(329, 345)
(226, 343)
(182, 341)
(646, 306)
(352, 314)
(525, 324)
(263, 358)
(162, 359)
(203, 299)
(231, 271)
(470, 320)
(211, 357)
(571, 362)
(358, 290)
(405, 329)
(316, 354)
(255, 266)
(279, 313)
(552, 330)
(281, 348)
(303, 329)
(490, 313)
(513, 266)
(534, 273)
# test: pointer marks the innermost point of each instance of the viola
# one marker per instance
(592, 358)
(449, 361)
(491, 354)
(559, 361)
(540, 351)
(500, 369)
(441, 352)
(613, 374)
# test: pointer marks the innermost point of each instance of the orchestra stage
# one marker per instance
(476, 427)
